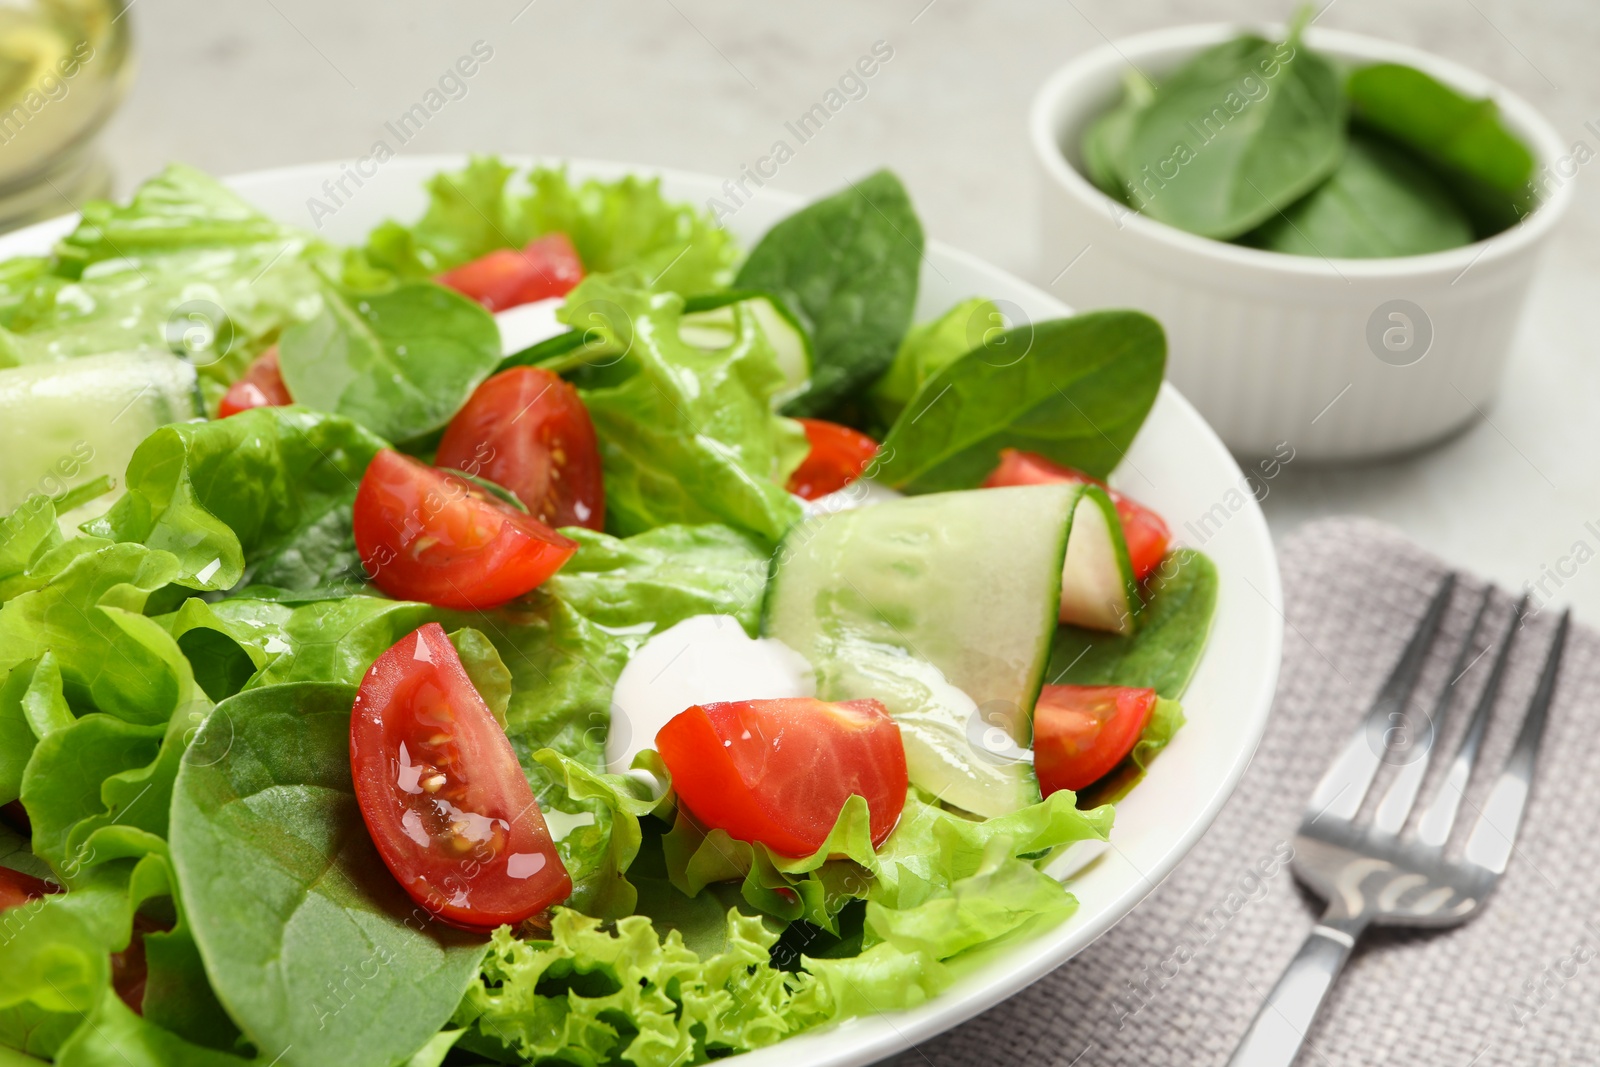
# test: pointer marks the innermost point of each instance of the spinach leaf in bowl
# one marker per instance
(1380, 202)
(1235, 135)
(1487, 165)
(1073, 390)
(847, 266)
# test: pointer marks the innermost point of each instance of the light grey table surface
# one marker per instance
(248, 84)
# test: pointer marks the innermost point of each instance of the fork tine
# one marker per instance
(1496, 829)
(1342, 789)
(1397, 802)
(1433, 830)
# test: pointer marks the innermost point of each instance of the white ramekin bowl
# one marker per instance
(1340, 358)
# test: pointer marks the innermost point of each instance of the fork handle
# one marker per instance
(1280, 1027)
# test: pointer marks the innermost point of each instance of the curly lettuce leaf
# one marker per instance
(664, 576)
(627, 994)
(614, 225)
(85, 617)
(263, 495)
(687, 435)
(185, 264)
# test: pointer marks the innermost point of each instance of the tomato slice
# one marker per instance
(1143, 529)
(838, 457)
(427, 534)
(17, 888)
(261, 387)
(506, 277)
(442, 793)
(1080, 732)
(526, 429)
(779, 771)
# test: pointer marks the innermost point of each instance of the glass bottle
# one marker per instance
(64, 67)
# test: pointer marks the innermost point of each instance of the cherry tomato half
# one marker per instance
(525, 429)
(17, 888)
(442, 793)
(779, 771)
(1146, 534)
(506, 277)
(430, 535)
(838, 456)
(1080, 732)
(261, 387)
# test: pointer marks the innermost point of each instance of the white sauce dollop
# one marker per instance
(861, 493)
(528, 324)
(703, 659)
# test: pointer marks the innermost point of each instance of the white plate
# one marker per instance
(1176, 465)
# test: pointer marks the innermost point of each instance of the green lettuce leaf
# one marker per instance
(687, 435)
(86, 616)
(185, 266)
(613, 225)
(399, 362)
(597, 995)
(664, 576)
(263, 495)
(929, 348)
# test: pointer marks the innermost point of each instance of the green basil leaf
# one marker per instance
(1074, 390)
(1379, 202)
(1180, 598)
(284, 888)
(399, 362)
(1234, 136)
(1489, 166)
(847, 266)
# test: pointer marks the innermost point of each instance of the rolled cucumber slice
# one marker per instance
(944, 607)
(66, 423)
(709, 322)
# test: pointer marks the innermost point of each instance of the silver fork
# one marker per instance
(1367, 871)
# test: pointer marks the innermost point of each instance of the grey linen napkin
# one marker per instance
(1179, 979)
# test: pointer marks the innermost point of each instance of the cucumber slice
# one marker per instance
(66, 423)
(1097, 585)
(942, 606)
(709, 322)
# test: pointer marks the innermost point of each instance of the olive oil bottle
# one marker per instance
(64, 66)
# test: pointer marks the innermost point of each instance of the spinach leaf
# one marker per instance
(1380, 202)
(613, 225)
(1179, 600)
(286, 892)
(1489, 166)
(928, 349)
(1075, 390)
(265, 492)
(399, 362)
(687, 435)
(1105, 142)
(847, 266)
(1234, 136)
